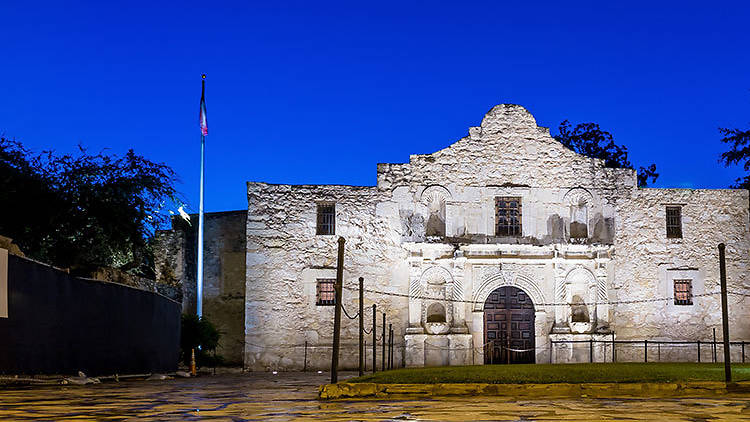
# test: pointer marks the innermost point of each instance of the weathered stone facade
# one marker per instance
(223, 273)
(589, 250)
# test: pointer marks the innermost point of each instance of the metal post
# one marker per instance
(699, 351)
(591, 350)
(743, 351)
(374, 338)
(337, 314)
(361, 327)
(304, 366)
(725, 314)
(382, 358)
(365, 364)
(550, 351)
(199, 289)
(614, 358)
(390, 346)
(645, 351)
(492, 352)
(713, 346)
(658, 352)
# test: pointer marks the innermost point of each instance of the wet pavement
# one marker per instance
(292, 396)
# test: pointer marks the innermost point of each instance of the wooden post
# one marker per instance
(337, 314)
(725, 314)
(374, 338)
(382, 358)
(361, 327)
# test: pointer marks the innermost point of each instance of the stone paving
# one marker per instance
(292, 396)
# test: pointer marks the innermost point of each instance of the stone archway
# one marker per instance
(509, 327)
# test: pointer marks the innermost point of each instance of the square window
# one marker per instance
(674, 222)
(326, 292)
(326, 219)
(683, 292)
(508, 216)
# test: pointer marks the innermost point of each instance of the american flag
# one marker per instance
(204, 122)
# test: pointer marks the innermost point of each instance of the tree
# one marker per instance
(83, 211)
(590, 140)
(739, 151)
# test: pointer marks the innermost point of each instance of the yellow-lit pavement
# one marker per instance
(292, 396)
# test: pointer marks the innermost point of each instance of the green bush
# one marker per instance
(199, 334)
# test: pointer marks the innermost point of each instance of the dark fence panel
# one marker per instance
(59, 324)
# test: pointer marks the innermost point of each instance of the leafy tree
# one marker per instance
(739, 152)
(590, 140)
(83, 211)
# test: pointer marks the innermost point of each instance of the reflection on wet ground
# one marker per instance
(292, 396)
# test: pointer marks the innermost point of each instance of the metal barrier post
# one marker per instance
(699, 351)
(713, 346)
(645, 351)
(614, 357)
(374, 338)
(743, 351)
(725, 315)
(382, 358)
(591, 350)
(304, 367)
(361, 326)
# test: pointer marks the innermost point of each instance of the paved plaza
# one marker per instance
(292, 396)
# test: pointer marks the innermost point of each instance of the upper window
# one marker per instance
(683, 292)
(326, 219)
(508, 216)
(674, 222)
(326, 292)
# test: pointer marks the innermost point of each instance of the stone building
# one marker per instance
(503, 247)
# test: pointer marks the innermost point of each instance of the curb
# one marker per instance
(592, 390)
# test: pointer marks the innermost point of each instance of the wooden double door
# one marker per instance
(509, 327)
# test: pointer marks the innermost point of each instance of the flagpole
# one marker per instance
(199, 293)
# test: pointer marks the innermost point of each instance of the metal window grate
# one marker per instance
(508, 216)
(674, 222)
(326, 292)
(326, 219)
(683, 292)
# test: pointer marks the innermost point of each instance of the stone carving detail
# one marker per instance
(578, 197)
(492, 277)
(435, 194)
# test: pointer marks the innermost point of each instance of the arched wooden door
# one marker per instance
(509, 327)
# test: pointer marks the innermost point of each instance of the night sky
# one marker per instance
(318, 92)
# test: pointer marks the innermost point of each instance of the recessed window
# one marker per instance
(683, 292)
(326, 292)
(508, 216)
(326, 219)
(674, 222)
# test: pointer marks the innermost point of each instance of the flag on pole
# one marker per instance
(204, 122)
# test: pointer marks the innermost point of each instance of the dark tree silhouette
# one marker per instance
(83, 211)
(590, 140)
(739, 152)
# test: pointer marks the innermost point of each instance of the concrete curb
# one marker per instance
(594, 390)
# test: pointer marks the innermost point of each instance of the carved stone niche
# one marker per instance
(434, 198)
(579, 201)
(431, 309)
(582, 292)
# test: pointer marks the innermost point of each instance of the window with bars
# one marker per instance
(508, 216)
(326, 219)
(674, 222)
(683, 292)
(326, 292)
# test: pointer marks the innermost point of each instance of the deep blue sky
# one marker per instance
(317, 92)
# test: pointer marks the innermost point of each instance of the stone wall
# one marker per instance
(285, 258)
(647, 262)
(223, 273)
